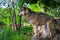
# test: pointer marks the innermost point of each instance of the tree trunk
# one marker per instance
(14, 20)
(19, 23)
(12, 17)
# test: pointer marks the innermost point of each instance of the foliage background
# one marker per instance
(49, 7)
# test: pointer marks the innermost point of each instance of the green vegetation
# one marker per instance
(7, 15)
(7, 34)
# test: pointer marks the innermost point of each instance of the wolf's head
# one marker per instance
(23, 11)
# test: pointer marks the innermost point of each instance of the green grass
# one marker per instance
(25, 33)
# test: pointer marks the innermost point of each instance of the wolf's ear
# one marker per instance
(25, 9)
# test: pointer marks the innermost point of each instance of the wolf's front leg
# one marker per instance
(35, 32)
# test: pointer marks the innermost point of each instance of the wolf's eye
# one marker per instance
(40, 28)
